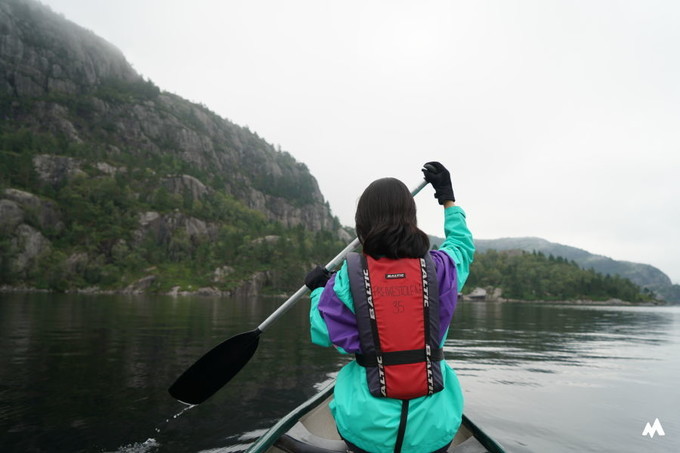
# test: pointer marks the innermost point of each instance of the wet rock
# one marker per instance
(221, 273)
(55, 170)
(28, 245)
(181, 184)
(140, 286)
(11, 216)
(44, 213)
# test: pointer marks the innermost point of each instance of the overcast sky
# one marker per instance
(558, 119)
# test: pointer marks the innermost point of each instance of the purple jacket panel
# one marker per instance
(341, 322)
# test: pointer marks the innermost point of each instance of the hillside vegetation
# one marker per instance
(535, 276)
(77, 217)
(643, 275)
(650, 279)
(107, 182)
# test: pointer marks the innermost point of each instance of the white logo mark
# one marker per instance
(655, 428)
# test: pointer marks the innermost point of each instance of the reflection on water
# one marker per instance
(90, 373)
(569, 378)
(489, 336)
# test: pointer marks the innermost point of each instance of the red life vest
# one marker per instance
(396, 303)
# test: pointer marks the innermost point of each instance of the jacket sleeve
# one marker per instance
(332, 314)
(458, 244)
(318, 328)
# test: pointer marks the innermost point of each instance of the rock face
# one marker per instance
(44, 213)
(26, 243)
(186, 183)
(11, 216)
(75, 60)
(54, 170)
(161, 227)
(44, 57)
(74, 114)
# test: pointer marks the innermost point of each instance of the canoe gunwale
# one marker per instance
(286, 423)
(491, 445)
(267, 440)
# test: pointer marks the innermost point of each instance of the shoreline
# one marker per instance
(175, 292)
(214, 292)
(609, 302)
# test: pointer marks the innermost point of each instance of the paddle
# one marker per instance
(219, 365)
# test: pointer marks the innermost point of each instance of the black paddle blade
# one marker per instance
(217, 367)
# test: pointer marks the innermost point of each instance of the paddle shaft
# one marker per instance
(292, 300)
(219, 365)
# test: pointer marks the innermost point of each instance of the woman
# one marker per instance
(391, 307)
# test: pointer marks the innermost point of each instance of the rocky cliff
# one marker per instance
(80, 128)
(76, 86)
(43, 53)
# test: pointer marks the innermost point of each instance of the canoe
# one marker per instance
(310, 428)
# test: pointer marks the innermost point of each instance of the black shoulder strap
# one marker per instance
(360, 285)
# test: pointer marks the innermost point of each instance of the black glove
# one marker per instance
(440, 178)
(317, 278)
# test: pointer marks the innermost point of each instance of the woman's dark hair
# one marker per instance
(386, 221)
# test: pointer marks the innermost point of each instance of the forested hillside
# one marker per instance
(109, 183)
(650, 279)
(535, 276)
(643, 275)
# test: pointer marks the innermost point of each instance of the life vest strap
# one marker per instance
(399, 357)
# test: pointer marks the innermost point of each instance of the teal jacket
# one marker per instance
(371, 423)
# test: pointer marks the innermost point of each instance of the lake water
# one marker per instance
(90, 373)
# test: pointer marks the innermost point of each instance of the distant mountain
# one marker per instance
(643, 275)
(106, 181)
